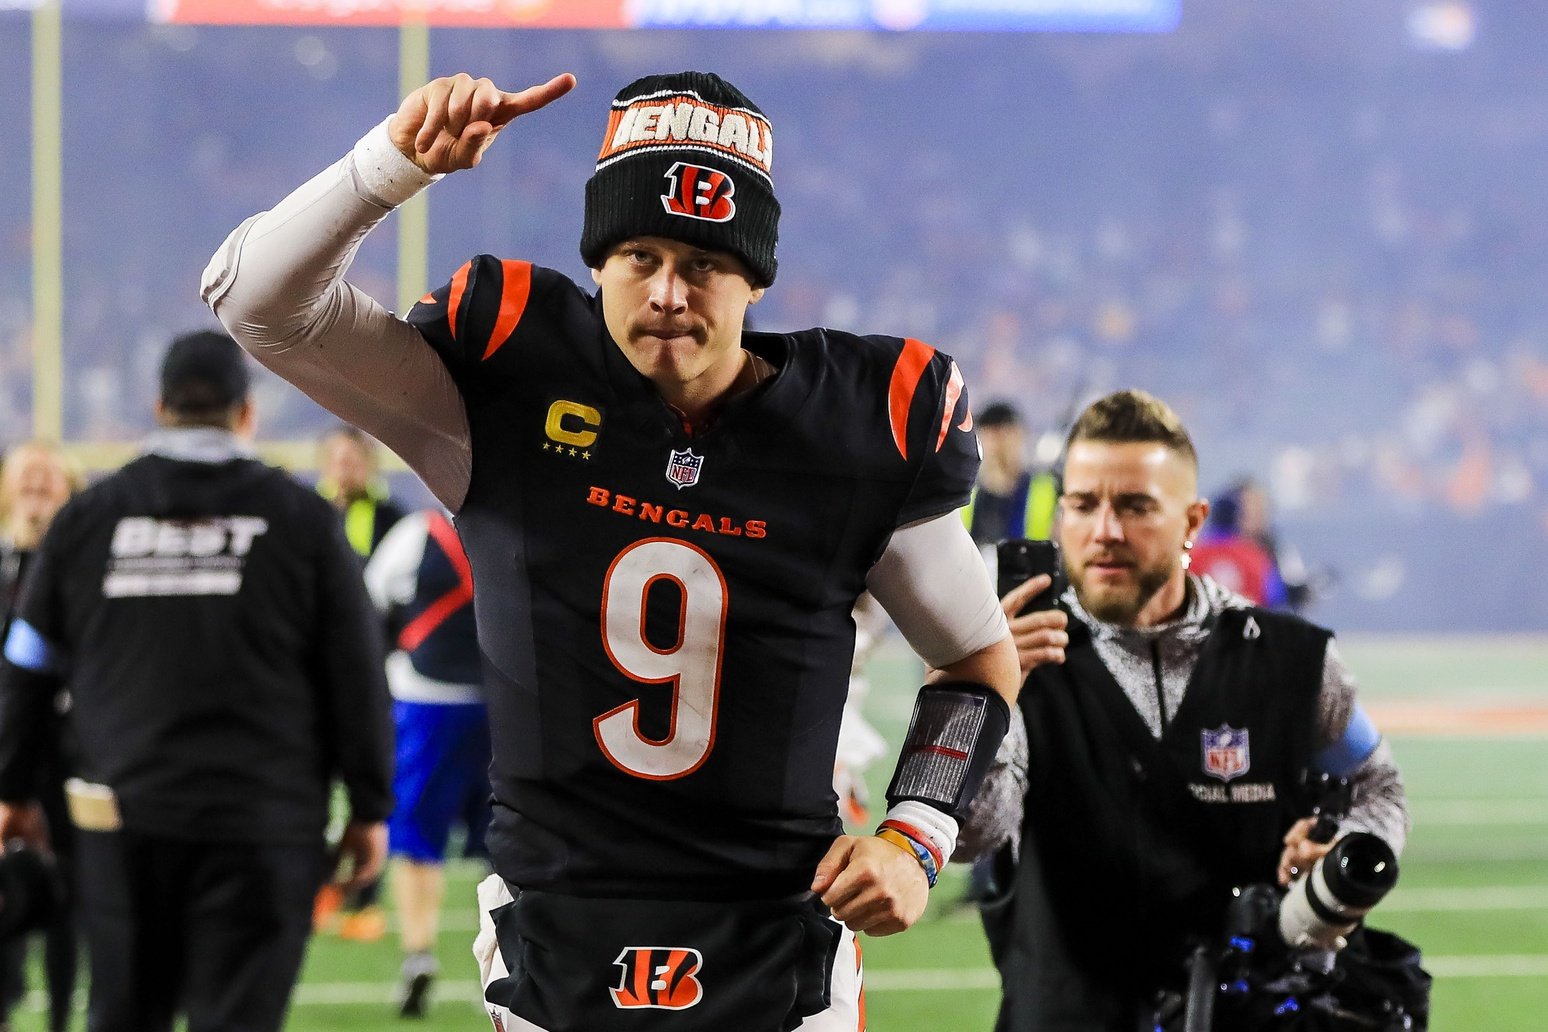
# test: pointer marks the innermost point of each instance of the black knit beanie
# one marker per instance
(690, 158)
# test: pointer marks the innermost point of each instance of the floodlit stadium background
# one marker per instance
(1318, 227)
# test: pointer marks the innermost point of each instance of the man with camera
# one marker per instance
(1167, 729)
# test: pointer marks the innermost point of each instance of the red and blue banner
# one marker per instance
(884, 15)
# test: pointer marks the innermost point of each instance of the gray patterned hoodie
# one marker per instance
(1153, 665)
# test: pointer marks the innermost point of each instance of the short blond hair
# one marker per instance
(1133, 416)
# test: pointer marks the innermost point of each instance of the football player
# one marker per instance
(669, 520)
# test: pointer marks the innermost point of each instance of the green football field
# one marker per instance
(1469, 723)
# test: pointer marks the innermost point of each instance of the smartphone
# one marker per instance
(1019, 559)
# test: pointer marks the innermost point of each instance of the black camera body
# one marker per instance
(1299, 960)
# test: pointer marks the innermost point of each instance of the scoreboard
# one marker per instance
(883, 15)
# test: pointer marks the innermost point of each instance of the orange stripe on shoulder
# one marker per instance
(514, 293)
(953, 395)
(911, 364)
(459, 286)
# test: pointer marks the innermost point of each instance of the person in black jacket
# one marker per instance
(225, 666)
(1157, 759)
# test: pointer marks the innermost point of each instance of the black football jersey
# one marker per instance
(665, 619)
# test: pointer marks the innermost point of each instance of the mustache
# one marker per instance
(669, 329)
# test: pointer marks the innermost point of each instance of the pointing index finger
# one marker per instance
(508, 106)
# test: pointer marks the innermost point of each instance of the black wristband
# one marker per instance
(952, 739)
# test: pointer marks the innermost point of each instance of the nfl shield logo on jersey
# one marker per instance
(683, 468)
(1225, 752)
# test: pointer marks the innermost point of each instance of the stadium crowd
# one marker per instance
(1351, 234)
(1330, 290)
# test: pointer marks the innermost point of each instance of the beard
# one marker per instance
(1120, 603)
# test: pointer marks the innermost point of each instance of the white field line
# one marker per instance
(1478, 851)
(1522, 965)
(1502, 965)
(1481, 811)
(1501, 897)
(345, 994)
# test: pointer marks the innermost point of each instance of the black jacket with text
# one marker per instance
(224, 662)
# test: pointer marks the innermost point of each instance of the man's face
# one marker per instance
(1124, 515)
(347, 465)
(1254, 518)
(676, 310)
(1002, 445)
(36, 485)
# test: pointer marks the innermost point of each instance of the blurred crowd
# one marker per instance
(1314, 230)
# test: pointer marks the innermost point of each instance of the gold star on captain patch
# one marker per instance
(546, 446)
(573, 453)
(586, 455)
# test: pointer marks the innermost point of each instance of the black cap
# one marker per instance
(687, 157)
(998, 413)
(203, 372)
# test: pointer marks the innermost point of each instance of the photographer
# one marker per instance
(1166, 728)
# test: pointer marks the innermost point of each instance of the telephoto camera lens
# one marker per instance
(1326, 905)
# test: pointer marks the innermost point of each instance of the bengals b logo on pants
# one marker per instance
(658, 976)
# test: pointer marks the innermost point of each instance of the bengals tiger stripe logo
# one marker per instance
(658, 976)
(699, 193)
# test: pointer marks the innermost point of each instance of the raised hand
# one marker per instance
(1301, 851)
(448, 123)
(1040, 635)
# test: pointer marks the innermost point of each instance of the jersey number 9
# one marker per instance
(691, 665)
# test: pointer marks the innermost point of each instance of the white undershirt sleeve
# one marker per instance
(277, 284)
(933, 583)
